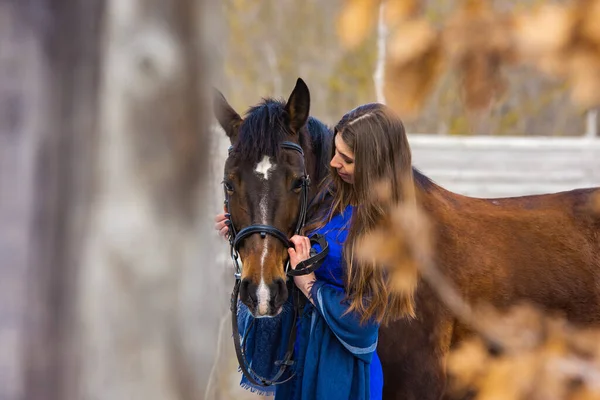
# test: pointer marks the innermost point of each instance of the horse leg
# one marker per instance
(413, 351)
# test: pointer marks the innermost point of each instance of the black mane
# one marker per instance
(263, 129)
(424, 182)
(321, 138)
(265, 126)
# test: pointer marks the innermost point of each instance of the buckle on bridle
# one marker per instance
(237, 269)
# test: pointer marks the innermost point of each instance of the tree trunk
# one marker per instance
(379, 74)
(145, 240)
(103, 160)
(48, 75)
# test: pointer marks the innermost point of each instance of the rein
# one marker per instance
(303, 268)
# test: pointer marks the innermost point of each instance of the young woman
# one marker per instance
(337, 335)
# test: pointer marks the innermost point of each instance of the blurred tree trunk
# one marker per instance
(152, 158)
(22, 105)
(103, 157)
(48, 73)
(379, 74)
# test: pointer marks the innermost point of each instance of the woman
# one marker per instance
(339, 327)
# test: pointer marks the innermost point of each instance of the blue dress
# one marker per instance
(335, 355)
(331, 271)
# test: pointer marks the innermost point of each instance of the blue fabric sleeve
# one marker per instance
(359, 339)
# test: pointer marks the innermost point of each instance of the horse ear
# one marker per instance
(228, 119)
(298, 106)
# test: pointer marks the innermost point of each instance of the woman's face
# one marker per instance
(343, 160)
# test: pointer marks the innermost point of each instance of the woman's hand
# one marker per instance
(300, 253)
(222, 223)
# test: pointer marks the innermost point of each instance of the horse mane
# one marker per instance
(321, 138)
(263, 129)
(424, 182)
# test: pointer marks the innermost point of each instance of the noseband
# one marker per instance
(303, 268)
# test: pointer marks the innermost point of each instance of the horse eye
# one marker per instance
(297, 184)
(228, 186)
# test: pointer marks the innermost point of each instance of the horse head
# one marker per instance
(274, 155)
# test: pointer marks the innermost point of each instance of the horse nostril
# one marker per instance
(248, 293)
(244, 286)
(280, 289)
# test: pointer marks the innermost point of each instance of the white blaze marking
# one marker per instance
(262, 170)
(264, 206)
(263, 167)
(263, 295)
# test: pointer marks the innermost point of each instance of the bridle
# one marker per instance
(303, 268)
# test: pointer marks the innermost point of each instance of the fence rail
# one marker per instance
(507, 166)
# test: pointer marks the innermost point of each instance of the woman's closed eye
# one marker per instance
(344, 157)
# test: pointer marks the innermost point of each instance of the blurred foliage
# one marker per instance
(544, 357)
(271, 43)
(452, 67)
(485, 45)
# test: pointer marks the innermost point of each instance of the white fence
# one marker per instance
(507, 166)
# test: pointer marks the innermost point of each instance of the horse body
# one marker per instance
(543, 249)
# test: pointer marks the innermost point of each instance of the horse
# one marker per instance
(277, 150)
(542, 248)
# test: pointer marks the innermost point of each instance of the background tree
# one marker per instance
(104, 133)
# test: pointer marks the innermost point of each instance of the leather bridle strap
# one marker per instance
(240, 352)
(303, 268)
(313, 263)
(263, 230)
(235, 237)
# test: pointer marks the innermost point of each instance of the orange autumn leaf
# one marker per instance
(411, 40)
(409, 83)
(397, 11)
(584, 77)
(590, 26)
(547, 29)
(478, 43)
(414, 64)
(564, 41)
(356, 21)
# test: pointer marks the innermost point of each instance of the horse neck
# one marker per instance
(434, 199)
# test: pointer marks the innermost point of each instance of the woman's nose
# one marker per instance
(334, 163)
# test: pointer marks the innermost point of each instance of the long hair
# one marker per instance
(381, 154)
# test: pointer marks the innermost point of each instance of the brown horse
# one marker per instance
(544, 249)
(277, 149)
